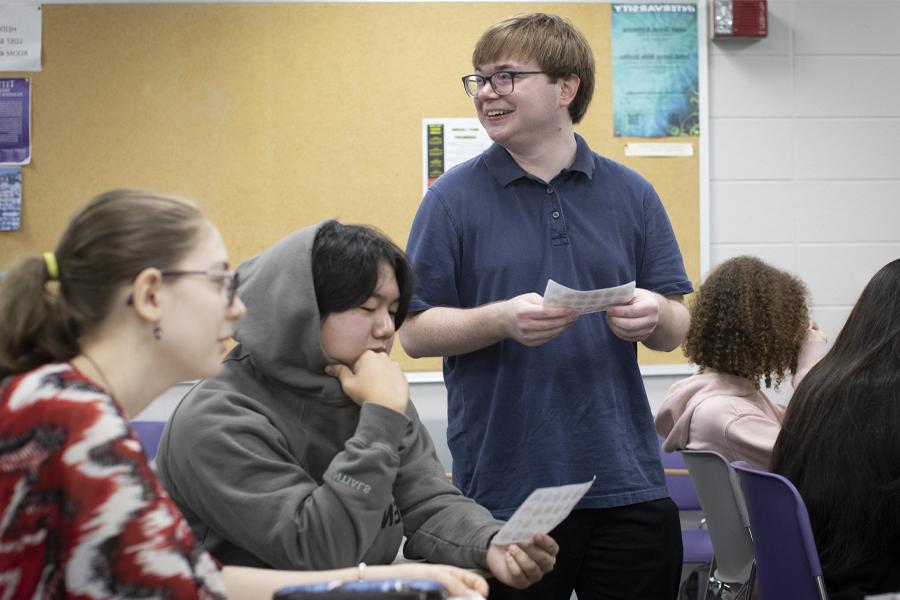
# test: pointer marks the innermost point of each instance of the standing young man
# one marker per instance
(538, 396)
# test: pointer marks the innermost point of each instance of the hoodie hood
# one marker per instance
(280, 331)
(673, 421)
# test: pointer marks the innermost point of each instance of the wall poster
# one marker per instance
(655, 69)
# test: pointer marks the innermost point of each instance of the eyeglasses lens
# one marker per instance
(473, 84)
(502, 83)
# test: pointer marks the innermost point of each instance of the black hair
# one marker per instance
(345, 263)
(839, 444)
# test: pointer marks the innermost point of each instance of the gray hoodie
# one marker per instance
(273, 465)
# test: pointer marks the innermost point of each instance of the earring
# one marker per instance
(157, 332)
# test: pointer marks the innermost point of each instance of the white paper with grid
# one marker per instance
(543, 510)
(587, 301)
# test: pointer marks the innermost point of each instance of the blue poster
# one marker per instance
(10, 198)
(15, 120)
(655, 70)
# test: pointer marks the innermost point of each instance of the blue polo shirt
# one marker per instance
(521, 418)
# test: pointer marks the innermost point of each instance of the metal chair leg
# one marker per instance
(710, 577)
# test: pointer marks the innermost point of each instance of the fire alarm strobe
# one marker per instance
(740, 18)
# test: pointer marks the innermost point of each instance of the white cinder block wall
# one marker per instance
(804, 160)
(805, 146)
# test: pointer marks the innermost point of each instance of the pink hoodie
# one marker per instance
(726, 414)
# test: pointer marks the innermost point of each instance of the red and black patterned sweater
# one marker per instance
(81, 513)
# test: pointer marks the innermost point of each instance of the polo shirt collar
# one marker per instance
(506, 170)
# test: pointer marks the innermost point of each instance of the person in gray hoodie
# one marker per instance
(304, 452)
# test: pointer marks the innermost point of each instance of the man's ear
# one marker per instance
(568, 87)
(145, 295)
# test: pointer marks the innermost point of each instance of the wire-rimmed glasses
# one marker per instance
(230, 278)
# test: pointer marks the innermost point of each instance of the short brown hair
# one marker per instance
(748, 319)
(552, 42)
(105, 246)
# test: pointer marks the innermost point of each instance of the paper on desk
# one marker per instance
(588, 301)
(543, 510)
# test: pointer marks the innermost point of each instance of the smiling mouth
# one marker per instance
(497, 113)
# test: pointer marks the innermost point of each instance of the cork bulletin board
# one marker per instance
(276, 116)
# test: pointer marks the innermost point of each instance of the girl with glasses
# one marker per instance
(136, 297)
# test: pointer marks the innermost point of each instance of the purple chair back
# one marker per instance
(787, 562)
(149, 432)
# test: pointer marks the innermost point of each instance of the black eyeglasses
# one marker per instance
(502, 82)
(230, 278)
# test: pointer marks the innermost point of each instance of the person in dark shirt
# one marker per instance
(538, 396)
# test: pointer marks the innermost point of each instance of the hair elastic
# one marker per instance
(52, 266)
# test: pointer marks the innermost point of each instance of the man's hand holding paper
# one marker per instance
(531, 322)
(637, 319)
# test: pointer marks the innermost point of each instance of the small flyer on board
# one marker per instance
(10, 198)
(15, 121)
(20, 37)
(448, 142)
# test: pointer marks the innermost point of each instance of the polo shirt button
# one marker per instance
(549, 190)
(555, 214)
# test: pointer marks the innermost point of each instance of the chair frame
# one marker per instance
(722, 500)
(681, 490)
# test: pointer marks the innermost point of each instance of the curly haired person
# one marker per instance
(749, 325)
